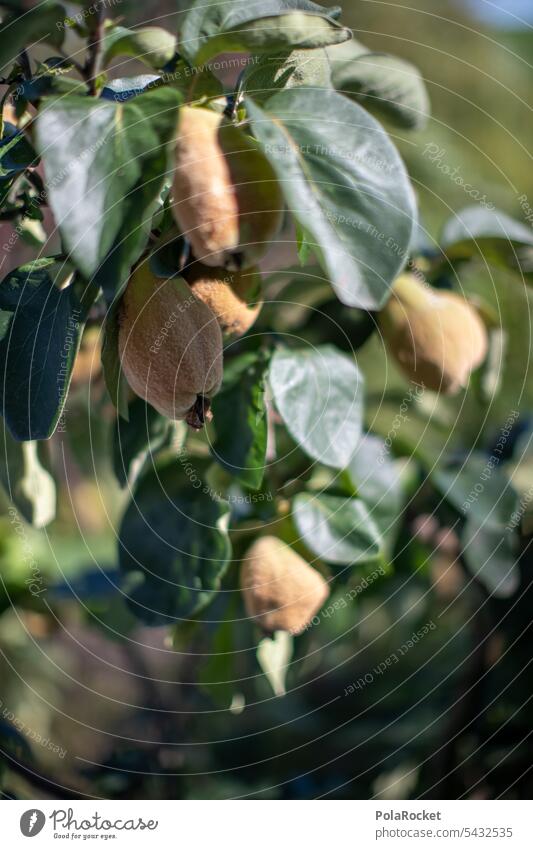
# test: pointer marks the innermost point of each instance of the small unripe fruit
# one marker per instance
(436, 337)
(281, 591)
(170, 346)
(274, 72)
(227, 200)
(233, 296)
(152, 45)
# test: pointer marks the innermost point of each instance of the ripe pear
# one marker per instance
(170, 346)
(281, 591)
(226, 198)
(436, 337)
(233, 296)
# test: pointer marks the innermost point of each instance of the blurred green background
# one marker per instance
(106, 707)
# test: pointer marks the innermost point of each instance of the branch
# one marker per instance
(92, 65)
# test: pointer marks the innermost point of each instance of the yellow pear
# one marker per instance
(281, 591)
(233, 296)
(226, 198)
(170, 346)
(436, 337)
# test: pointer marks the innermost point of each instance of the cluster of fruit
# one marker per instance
(227, 202)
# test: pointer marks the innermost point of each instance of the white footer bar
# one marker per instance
(266, 824)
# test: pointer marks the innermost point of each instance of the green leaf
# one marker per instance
(378, 481)
(319, 395)
(124, 88)
(115, 381)
(154, 46)
(478, 488)
(25, 481)
(488, 551)
(14, 744)
(169, 253)
(46, 85)
(507, 378)
(481, 491)
(269, 74)
(16, 154)
(40, 333)
(391, 87)
(174, 546)
(491, 234)
(338, 530)
(274, 655)
(144, 433)
(261, 26)
(240, 419)
(345, 184)
(32, 232)
(34, 26)
(118, 158)
(219, 675)
(294, 296)
(371, 470)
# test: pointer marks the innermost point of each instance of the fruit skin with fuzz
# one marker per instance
(233, 296)
(281, 591)
(226, 198)
(436, 337)
(170, 346)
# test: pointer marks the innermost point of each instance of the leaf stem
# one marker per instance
(25, 65)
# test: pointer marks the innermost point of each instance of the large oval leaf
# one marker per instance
(138, 438)
(478, 488)
(260, 26)
(498, 238)
(382, 83)
(117, 155)
(378, 481)
(338, 530)
(489, 556)
(174, 545)
(42, 23)
(40, 332)
(345, 184)
(319, 395)
(481, 491)
(240, 419)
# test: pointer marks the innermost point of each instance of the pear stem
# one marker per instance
(200, 413)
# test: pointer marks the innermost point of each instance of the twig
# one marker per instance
(76, 65)
(92, 65)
